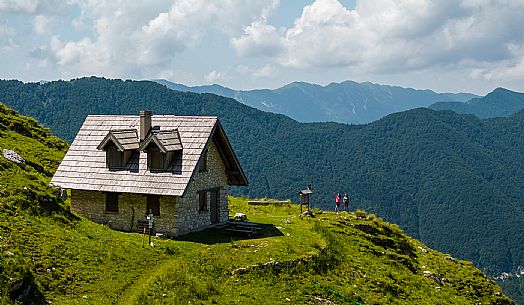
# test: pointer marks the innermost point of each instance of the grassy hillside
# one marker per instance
(50, 255)
(455, 182)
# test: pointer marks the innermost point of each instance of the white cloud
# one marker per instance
(512, 69)
(215, 77)
(6, 30)
(7, 43)
(256, 73)
(41, 24)
(33, 6)
(139, 38)
(391, 36)
(265, 71)
(18, 6)
(259, 39)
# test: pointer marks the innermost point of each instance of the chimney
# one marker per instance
(145, 123)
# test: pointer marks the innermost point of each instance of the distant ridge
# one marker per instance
(500, 102)
(346, 102)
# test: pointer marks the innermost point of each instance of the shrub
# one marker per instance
(360, 214)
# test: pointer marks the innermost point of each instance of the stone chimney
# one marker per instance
(145, 123)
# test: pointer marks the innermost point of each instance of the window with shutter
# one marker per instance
(202, 201)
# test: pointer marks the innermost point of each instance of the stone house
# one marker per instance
(119, 168)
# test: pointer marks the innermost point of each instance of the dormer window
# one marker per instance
(114, 157)
(161, 147)
(119, 146)
(156, 160)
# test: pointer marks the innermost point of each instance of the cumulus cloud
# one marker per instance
(390, 36)
(33, 6)
(6, 40)
(511, 69)
(134, 38)
(256, 73)
(6, 30)
(259, 39)
(215, 76)
(41, 24)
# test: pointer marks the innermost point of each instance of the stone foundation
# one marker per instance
(131, 209)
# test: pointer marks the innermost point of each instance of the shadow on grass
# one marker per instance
(221, 235)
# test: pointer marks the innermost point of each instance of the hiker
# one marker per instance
(346, 201)
(337, 202)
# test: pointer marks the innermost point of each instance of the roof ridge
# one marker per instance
(154, 115)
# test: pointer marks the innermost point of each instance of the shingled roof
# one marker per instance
(125, 139)
(166, 140)
(84, 166)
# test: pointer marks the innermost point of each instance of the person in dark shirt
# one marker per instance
(346, 202)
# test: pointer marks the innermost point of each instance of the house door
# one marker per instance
(153, 205)
(215, 206)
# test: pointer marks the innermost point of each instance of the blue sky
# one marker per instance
(447, 46)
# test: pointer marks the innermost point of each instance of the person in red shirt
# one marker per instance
(337, 202)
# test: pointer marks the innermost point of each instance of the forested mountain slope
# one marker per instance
(50, 256)
(499, 103)
(454, 181)
(345, 102)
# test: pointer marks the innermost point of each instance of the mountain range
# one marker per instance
(346, 102)
(454, 181)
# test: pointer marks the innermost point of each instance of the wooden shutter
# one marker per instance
(114, 157)
(202, 201)
(157, 160)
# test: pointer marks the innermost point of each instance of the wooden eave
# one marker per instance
(119, 141)
(164, 145)
(235, 173)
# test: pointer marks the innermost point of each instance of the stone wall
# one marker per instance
(178, 215)
(189, 218)
(131, 208)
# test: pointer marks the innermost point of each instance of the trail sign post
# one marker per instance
(305, 198)
(150, 219)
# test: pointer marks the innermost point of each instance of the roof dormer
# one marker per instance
(161, 147)
(119, 146)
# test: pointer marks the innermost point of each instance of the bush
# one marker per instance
(360, 214)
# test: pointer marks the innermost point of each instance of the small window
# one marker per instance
(203, 162)
(202, 201)
(114, 158)
(156, 160)
(153, 204)
(112, 202)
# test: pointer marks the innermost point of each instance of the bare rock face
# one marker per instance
(14, 157)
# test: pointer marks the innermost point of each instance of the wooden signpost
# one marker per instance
(305, 198)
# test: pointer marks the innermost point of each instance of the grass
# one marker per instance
(345, 259)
